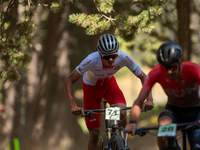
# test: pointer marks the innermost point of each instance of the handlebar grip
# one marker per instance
(137, 128)
(122, 129)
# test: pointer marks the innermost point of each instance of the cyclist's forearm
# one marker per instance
(137, 106)
(72, 102)
(150, 97)
(70, 93)
(68, 85)
(135, 113)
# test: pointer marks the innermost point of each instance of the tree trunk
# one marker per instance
(7, 122)
(17, 132)
(60, 123)
(184, 34)
(44, 83)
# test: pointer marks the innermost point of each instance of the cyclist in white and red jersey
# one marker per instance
(180, 81)
(98, 71)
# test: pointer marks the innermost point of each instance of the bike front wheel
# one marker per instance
(118, 143)
(103, 145)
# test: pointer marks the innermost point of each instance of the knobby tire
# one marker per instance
(118, 143)
(102, 141)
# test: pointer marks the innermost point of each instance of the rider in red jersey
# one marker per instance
(180, 81)
(98, 70)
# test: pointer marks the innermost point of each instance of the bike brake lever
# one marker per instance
(88, 114)
(140, 131)
(192, 125)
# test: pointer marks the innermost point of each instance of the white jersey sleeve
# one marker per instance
(130, 64)
(86, 64)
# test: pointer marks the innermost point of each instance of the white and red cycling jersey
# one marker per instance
(184, 93)
(95, 73)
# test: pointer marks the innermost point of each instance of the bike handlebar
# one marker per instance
(88, 113)
(180, 126)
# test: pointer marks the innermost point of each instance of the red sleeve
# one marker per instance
(151, 79)
(195, 69)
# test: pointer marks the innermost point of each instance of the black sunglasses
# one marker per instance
(172, 68)
(107, 57)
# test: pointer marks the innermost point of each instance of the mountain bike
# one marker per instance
(170, 131)
(113, 138)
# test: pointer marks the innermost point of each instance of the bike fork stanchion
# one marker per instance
(122, 131)
(108, 130)
(184, 140)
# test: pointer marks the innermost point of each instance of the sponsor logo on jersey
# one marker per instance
(116, 67)
(109, 74)
(129, 59)
(167, 80)
(93, 120)
(166, 110)
(87, 63)
(138, 70)
(80, 69)
(99, 74)
(97, 69)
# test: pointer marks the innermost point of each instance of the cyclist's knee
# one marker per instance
(162, 142)
(164, 120)
(120, 105)
(166, 143)
(94, 135)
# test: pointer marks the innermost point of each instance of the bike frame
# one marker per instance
(111, 130)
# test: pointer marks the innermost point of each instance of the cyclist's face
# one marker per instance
(109, 60)
(173, 71)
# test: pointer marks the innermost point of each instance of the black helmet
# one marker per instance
(169, 53)
(107, 44)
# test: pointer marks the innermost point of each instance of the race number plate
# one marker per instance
(112, 113)
(167, 130)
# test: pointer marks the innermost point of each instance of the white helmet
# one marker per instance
(107, 44)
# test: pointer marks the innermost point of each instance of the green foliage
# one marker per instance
(92, 23)
(126, 24)
(16, 34)
(56, 7)
(106, 6)
(16, 37)
(10, 74)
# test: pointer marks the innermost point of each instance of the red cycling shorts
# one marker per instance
(92, 97)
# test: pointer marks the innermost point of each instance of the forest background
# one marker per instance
(43, 41)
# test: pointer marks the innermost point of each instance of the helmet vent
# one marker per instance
(107, 44)
(169, 53)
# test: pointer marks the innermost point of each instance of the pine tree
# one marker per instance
(127, 18)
